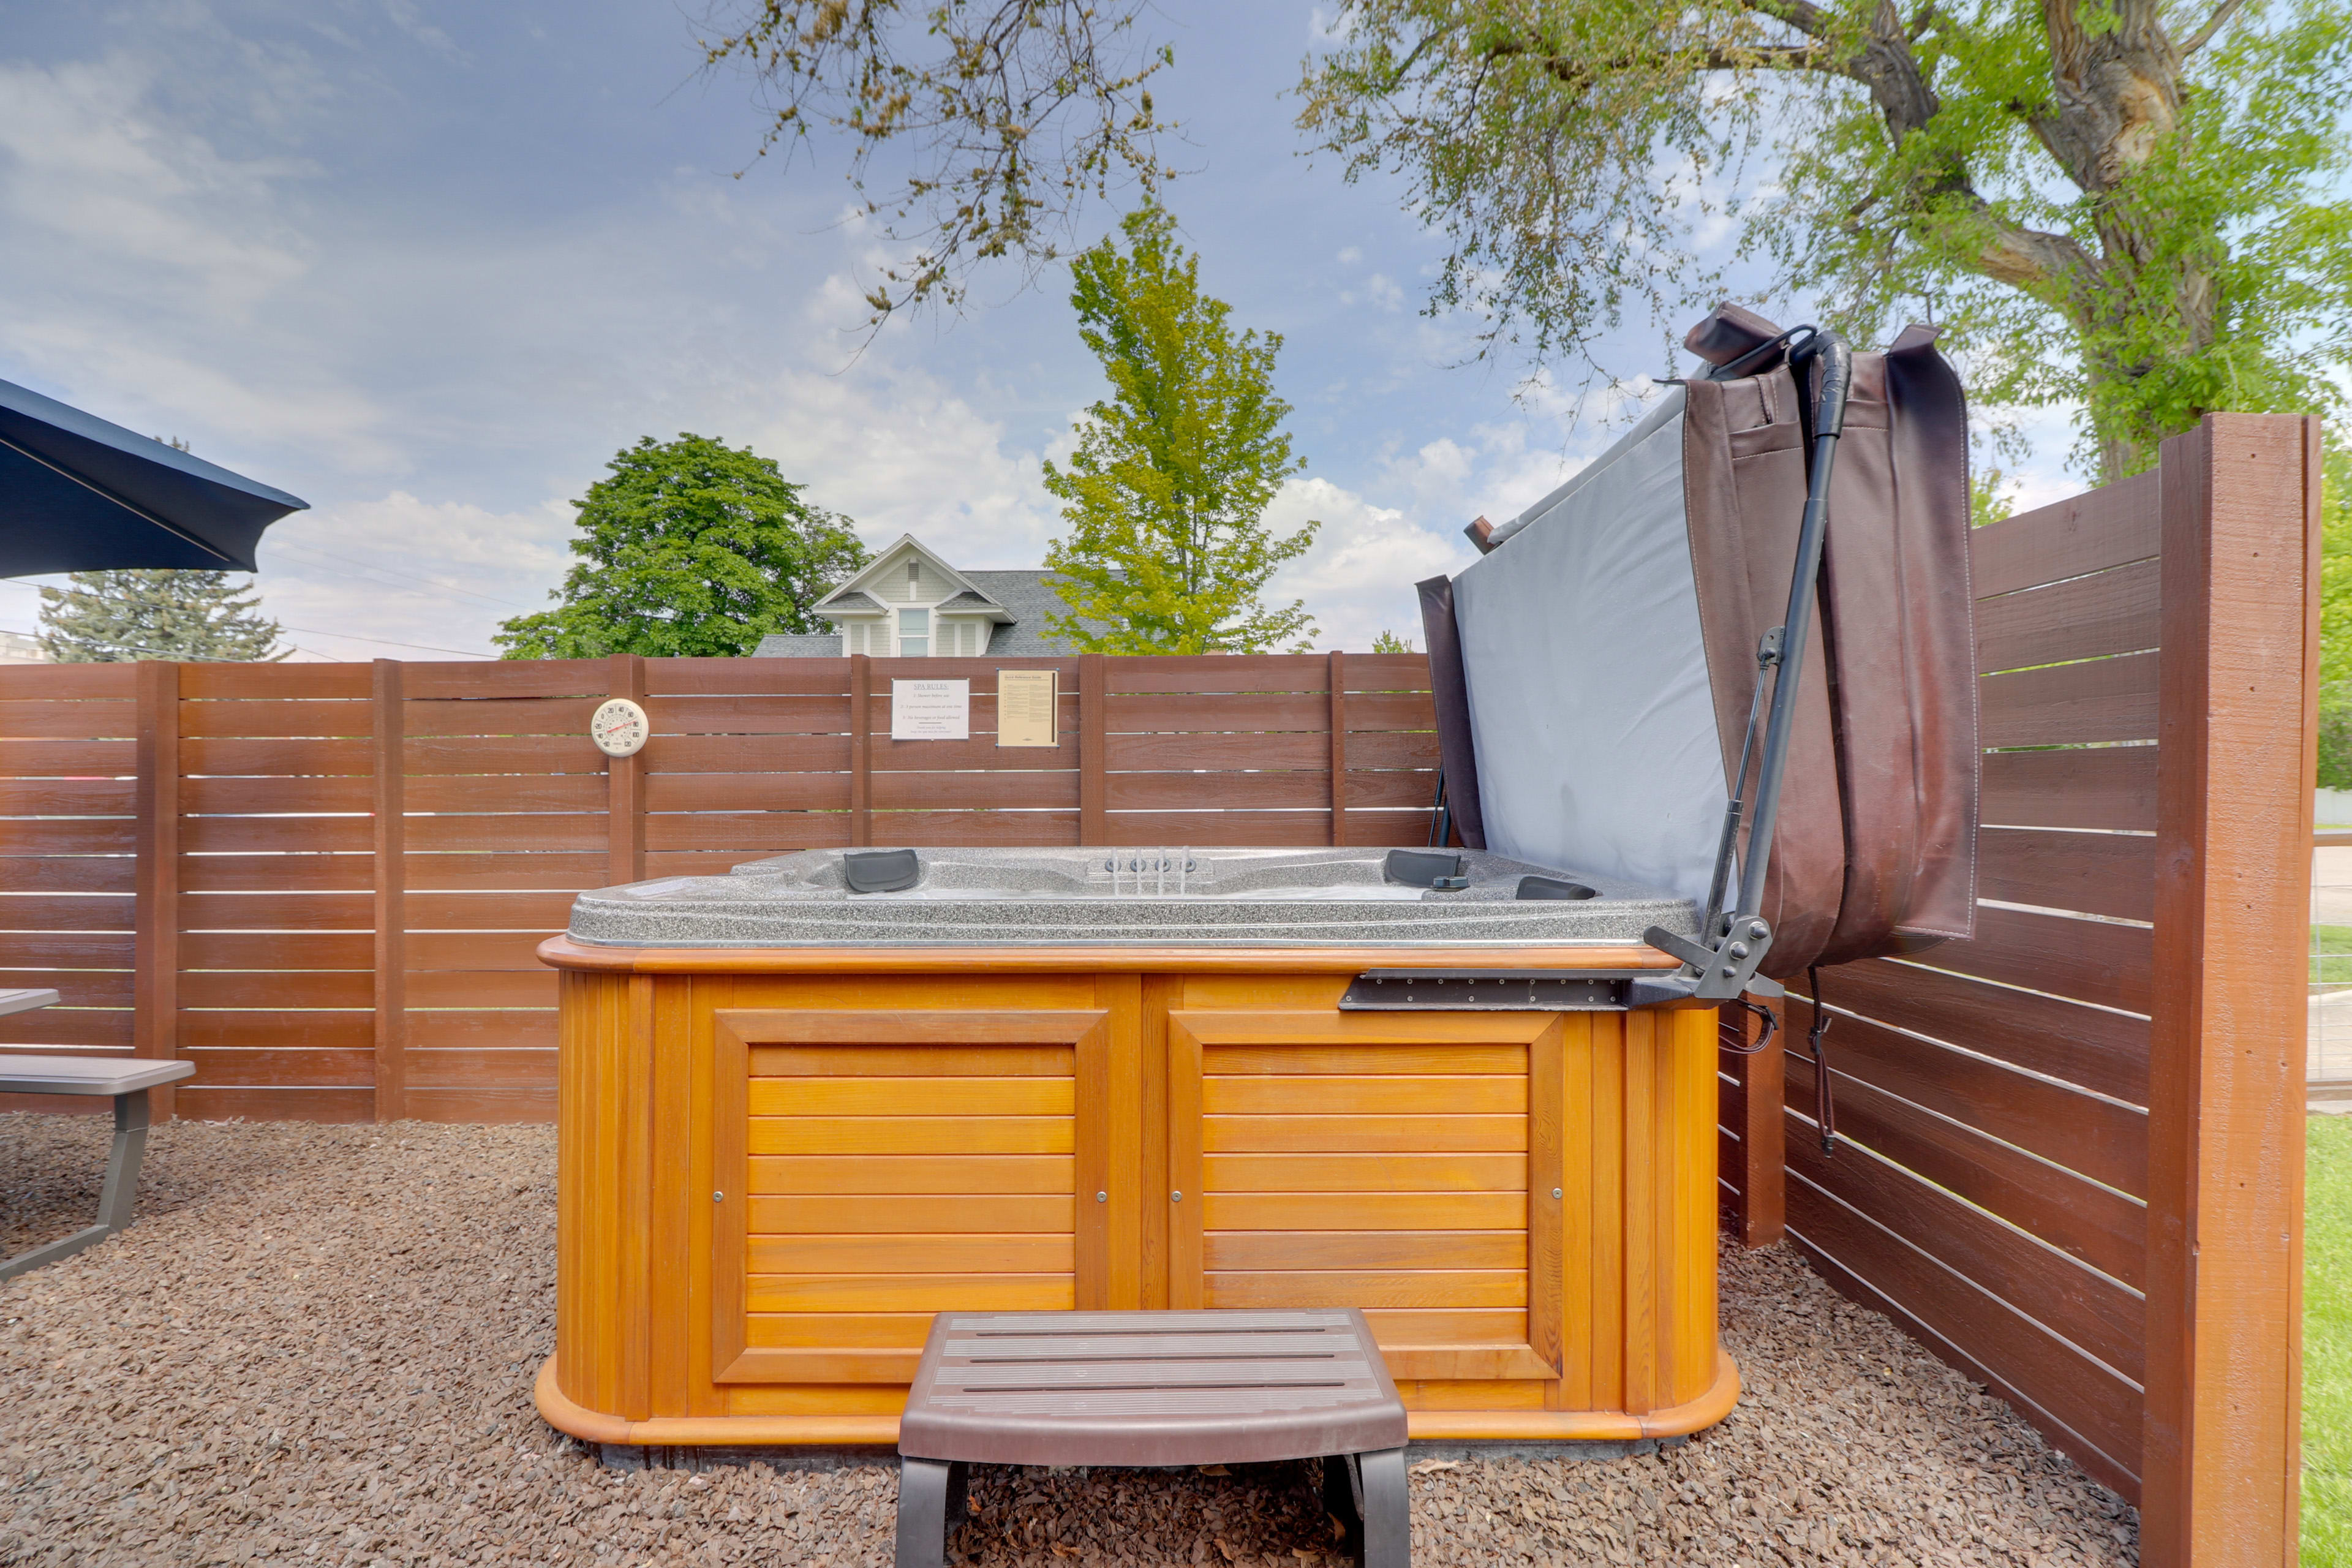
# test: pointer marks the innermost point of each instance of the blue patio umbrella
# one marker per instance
(79, 494)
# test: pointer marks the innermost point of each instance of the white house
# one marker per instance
(910, 603)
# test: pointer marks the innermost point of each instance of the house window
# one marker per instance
(914, 632)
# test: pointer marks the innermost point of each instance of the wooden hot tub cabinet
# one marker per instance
(777, 1164)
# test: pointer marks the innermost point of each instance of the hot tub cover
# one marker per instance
(1607, 653)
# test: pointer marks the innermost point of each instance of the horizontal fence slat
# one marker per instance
(457, 1031)
(688, 756)
(2078, 1217)
(2078, 1304)
(276, 911)
(507, 677)
(253, 1067)
(488, 912)
(64, 797)
(481, 988)
(351, 1030)
(748, 833)
(22, 759)
(277, 950)
(816, 715)
(2089, 617)
(78, 1027)
(235, 754)
(287, 988)
(62, 836)
(60, 873)
(276, 873)
(2103, 1139)
(2104, 528)
(572, 869)
(1175, 792)
(251, 682)
(246, 796)
(2090, 960)
(502, 832)
(2108, 787)
(476, 949)
(1160, 713)
(747, 792)
(996, 791)
(99, 719)
(496, 755)
(976, 829)
(2103, 1051)
(501, 716)
(63, 912)
(274, 834)
(67, 682)
(2066, 704)
(430, 792)
(2093, 873)
(295, 717)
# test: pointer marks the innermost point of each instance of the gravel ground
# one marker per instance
(316, 1347)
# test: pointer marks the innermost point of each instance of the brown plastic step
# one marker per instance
(1149, 1388)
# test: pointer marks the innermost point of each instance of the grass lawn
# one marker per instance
(2328, 1343)
(2336, 943)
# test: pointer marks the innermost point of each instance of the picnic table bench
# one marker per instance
(127, 1081)
(1146, 1389)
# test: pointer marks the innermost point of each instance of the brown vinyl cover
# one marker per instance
(1875, 849)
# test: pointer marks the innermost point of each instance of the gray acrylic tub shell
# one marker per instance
(1220, 897)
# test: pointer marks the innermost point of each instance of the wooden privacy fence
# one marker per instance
(2076, 1141)
(324, 883)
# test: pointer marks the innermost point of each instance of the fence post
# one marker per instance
(625, 801)
(1094, 679)
(391, 882)
(1339, 747)
(1763, 1132)
(2236, 724)
(861, 782)
(155, 920)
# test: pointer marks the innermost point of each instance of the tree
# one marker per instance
(1388, 642)
(1020, 110)
(118, 616)
(1165, 496)
(690, 547)
(2124, 203)
(2126, 206)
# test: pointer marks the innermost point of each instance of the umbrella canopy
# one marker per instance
(77, 494)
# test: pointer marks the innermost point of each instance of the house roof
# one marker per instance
(1029, 597)
(799, 645)
(839, 600)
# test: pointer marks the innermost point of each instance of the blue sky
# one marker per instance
(429, 265)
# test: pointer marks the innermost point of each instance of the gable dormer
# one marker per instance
(910, 603)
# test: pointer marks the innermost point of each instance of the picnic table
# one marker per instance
(127, 1082)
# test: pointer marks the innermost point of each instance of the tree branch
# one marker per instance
(2213, 24)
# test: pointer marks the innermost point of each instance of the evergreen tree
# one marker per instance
(121, 616)
(1166, 494)
(691, 547)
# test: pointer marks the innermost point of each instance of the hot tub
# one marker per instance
(808, 1104)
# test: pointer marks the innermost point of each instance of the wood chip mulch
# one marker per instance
(316, 1347)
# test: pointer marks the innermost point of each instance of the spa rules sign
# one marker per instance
(931, 709)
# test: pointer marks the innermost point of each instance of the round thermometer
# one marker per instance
(619, 728)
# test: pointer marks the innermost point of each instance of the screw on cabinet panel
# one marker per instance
(1102, 1197)
(1555, 1192)
(1175, 1197)
(719, 1198)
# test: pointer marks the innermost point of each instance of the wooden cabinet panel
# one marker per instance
(1403, 1163)
(879, 1164)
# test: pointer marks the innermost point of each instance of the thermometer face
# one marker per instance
(619, 728)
